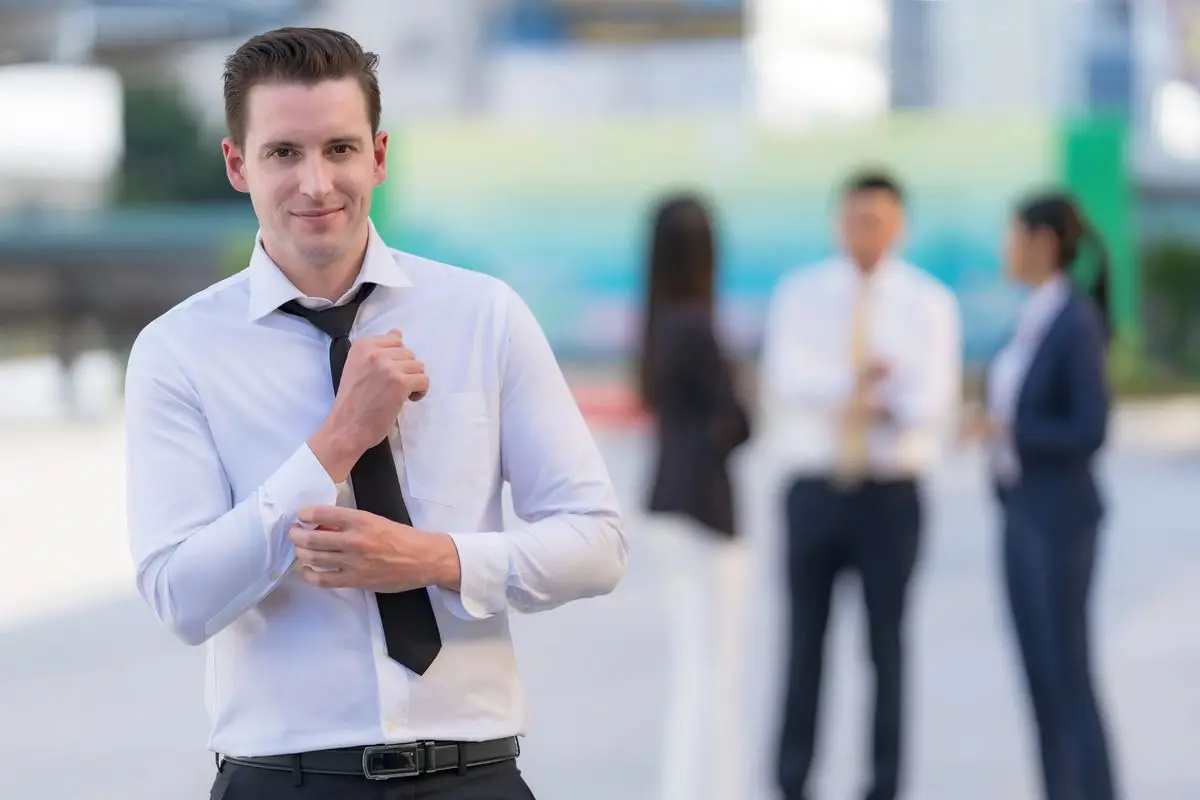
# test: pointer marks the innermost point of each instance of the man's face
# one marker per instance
(309, 163)
(872, 221)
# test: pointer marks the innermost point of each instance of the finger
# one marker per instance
(413, 367)
(384, 341)
(324, 580)
(400, 354)
(321, 560)
(332, 517)
(323, 540)
(418, 386)
(391, 340)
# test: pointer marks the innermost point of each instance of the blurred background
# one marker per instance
(530, 139)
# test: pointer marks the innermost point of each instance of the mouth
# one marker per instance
(318, 214)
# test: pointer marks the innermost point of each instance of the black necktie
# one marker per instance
(409, 626)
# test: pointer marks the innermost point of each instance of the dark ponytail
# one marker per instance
(1100, 286)
(1061, 215)
(681, 267)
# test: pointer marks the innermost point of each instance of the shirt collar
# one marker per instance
(1042, 304)
(886, 265)
(270, 288)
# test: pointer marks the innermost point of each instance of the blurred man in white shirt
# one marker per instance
(861, 375)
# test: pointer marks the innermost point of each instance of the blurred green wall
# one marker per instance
(560, 209)
(1093, 165)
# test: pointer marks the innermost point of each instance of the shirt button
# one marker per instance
(274, 574)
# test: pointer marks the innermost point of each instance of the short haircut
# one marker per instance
(873, 181)
(306, 56)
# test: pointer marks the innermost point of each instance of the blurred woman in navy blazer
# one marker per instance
(687, 385)
(1047, 418)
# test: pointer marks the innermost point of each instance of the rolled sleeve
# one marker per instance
(484, 562)
(795, 370)
(200, 560)
(571, 544)
(301, 481)
(930, 391)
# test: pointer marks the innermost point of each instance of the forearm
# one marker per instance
(800, 384)
(924, 406)
(540, 566)
(1079, 434)
(199, 579)
(571, 544)
(926, 391)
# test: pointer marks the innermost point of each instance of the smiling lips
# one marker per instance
(318, 214)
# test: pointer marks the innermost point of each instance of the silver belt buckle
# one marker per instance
(386, 761)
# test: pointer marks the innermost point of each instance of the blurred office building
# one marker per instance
(64, 67)
(79, 273)
(610, 102)
(525, 59)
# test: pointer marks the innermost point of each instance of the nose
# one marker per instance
(316, 180)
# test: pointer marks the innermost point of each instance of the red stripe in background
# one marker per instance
(609, 405)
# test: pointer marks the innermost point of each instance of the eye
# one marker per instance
(341, 149)
(282, 152)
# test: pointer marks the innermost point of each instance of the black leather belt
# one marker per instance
(381, 762)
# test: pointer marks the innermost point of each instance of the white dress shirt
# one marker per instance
(807, 376)
(1006, 374)
(222, 393)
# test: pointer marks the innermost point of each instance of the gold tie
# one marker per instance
(853, 453)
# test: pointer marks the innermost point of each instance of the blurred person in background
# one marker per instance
(861, 376)
(1045, 421)
(280, 428)
(688, 386)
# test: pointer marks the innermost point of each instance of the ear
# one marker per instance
(380, 153)
(235, 165)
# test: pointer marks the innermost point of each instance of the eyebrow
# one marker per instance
(354, 140)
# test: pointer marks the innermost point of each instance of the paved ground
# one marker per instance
(98, 703)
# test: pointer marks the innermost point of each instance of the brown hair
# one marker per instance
(682, 270)
(1061, 214)
(296, 55)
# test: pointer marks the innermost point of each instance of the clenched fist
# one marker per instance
(380, 376)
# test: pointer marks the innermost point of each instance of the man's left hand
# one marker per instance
(349, 548)
(870, 410)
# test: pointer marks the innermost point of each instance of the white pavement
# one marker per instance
(97, 702)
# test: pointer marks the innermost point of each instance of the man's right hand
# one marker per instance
(872, 374)
(864, 404)
(380, 376)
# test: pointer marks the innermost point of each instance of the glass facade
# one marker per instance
(1110, 67)
(910, 54)
(1107, 59)
(533, 22)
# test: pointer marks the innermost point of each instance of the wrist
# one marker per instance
(446, 566)
(335, 451)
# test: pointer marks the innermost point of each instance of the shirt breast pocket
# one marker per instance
(449, 458)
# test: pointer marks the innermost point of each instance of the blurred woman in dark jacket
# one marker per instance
(687, 385)
(1046, 422)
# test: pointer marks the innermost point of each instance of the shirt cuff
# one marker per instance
(483, 560)
(300, 482)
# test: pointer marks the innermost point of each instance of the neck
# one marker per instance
(865, 270)
(327, 279)
(1038, 283)
(866, 267)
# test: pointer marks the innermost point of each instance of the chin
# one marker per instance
(321, 252)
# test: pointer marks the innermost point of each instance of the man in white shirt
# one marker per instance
(341, 552)
(861, 371)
